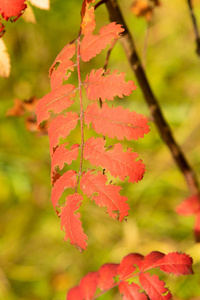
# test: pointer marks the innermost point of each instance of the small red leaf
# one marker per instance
(176, 263)
(58, 74)
(116, 122)
(92, 45)
(189, 206)
(88, 285)
(106, 274)
(63, 156)
(61, 126)
(12, 8)
(75, 293)
(154, 287)
(150, 261)
(108, 86)
(67, 180)
(71, 221)
(118, 162)
(88, 22)
(108, 195)
(127, 265)
(131, 291)
(57, 100)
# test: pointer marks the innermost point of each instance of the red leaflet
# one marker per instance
(108, 195)
(189, 207)
(154, 287)
(150, 261)
(108, 86)
(93, 44)
(57, 100)
(71, 221)
(128, 265)
(58, 74)
(88, 285)
(67, 180)
(116, 161)
(12, 8)
(106, 274)
(131, 291)
(116, 122)
(63, 156)
(88, 22)
(61, 126)
(176, 263)
(74, 294)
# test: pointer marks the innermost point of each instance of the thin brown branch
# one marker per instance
(195, 27)
(100, 3)
(150, 98)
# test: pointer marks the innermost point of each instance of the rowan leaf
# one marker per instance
(88, 285)
(176, 263)
(105, 195)
(12, 8)
(61, 126)
(71, 223)
(106, 86)
(75, 293)
(62, 156)
(88, 23)
(129, 264)
(154, 287)
(67, 180)
(57, 74)
(150, 261)
(57, 100)
(189, 206)
(118, 162)
(116, 122)
(92, 45)
(131, 291)
(107, 272)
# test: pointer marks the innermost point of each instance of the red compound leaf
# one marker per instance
(105, 195)
(107, 86)
(71, 221)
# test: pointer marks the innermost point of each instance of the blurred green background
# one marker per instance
(35, 263)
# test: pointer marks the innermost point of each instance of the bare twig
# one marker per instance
(99, 3)
(155, 110)
(195, 26)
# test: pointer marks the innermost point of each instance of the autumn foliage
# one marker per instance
(100, 119)
(134, 264)
(100, 86)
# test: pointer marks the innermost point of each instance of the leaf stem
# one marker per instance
(81, 108)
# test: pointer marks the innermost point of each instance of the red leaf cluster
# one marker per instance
(111, 121)
(132, 265)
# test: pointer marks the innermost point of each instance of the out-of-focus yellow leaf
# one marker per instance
(43, 4)
(29, 15)
(4, 60)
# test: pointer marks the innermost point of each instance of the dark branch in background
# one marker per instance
(195, 27)
(163, 127)
(99, 3)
